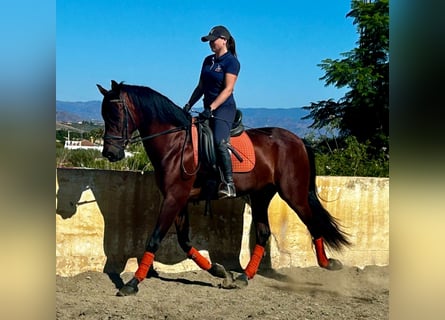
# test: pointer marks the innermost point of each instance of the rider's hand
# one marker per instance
(206, 114)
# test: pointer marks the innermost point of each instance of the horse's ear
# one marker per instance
(102, 90)
(114, 86)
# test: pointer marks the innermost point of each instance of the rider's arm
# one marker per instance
(229, 80)
(197, 94)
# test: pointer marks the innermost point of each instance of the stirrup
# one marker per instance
(227, 190)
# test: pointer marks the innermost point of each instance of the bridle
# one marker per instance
(125, 132)
(126, 135)
(128, 116)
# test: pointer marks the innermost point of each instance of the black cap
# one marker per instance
(215, 33)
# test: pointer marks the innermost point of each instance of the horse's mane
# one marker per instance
(156, 105)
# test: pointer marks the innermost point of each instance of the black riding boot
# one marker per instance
(227, 188)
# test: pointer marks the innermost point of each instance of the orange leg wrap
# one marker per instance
(144, 266)
(254, 263)
(322, 259)
(200, 260)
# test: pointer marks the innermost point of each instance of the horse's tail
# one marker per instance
(323, 225)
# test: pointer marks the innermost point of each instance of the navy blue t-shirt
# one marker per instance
(212, 75)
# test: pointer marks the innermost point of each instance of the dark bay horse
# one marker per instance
(284, 164)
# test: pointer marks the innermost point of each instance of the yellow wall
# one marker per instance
(103, 219)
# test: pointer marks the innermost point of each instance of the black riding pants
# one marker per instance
(222, 121)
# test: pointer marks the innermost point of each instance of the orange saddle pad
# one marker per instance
(241, 144)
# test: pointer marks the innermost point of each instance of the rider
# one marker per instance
(219, 73)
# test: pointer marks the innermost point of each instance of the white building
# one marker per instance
(87, 145)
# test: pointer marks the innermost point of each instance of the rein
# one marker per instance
(139, 138)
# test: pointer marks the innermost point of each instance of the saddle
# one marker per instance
(240, 148)
(240, 145)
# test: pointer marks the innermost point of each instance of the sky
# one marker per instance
(157, 44)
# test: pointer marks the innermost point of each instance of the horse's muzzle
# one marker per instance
(113, 154)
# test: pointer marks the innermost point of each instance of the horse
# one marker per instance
(284, 165)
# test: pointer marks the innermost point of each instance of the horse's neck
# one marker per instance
(164, 147)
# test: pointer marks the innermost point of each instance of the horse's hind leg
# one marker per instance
(321, 225)
(259, 204)
(182, 230)
(325, 229)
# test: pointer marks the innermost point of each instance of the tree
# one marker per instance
(364, 111)
(96, 134)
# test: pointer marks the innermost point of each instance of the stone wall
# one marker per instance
(103, 219)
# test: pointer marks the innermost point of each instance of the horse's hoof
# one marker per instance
(129, 289)
(242, 281)
(234, 283)
(334, 264)
(218, 270)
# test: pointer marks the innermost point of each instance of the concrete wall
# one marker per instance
(103, 219)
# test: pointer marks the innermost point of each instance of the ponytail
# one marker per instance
(231, 46)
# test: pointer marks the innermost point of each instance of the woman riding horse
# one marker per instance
(283, 164)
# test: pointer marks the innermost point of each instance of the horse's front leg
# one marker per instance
(182, 230)
(169, 210)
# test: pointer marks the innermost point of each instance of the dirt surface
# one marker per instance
(291, 293)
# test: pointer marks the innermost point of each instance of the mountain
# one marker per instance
(78, 111)
(288, 118)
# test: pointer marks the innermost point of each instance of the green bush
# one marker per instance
(350, 158)
(93, 159)
(332, 158)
